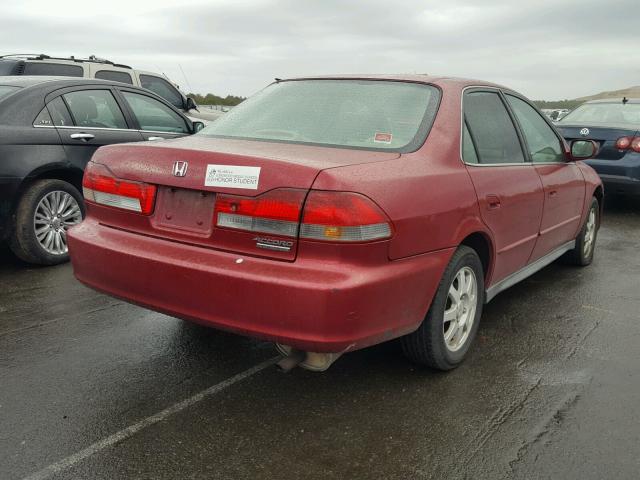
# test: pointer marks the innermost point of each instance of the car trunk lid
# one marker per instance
(190, 173)
(604, 136)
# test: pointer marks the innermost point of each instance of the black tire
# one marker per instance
(22, 239)
(426, 346)
(580, 255)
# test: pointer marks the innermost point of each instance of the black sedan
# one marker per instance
(615, 125)
(49, 128)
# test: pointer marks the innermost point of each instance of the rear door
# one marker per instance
(564, 185)
(88, 118)
(155, 119)
(508, 187)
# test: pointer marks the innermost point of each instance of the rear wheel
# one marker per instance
(582, 254)
(446, 333)
(46, 210)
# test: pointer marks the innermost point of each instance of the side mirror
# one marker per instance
(197, 126)
(583, 149)
(191, 104)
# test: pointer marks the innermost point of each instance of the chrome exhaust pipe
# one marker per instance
(290, 361)
(313, 361)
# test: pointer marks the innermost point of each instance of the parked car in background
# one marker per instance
(614, 124)
(49, 129)
(558, 114)
(102, 69)
(329, 214)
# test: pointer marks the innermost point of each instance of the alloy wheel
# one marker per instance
(56, 212)
(460, 310)
(589, 234)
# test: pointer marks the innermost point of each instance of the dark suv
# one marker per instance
(49, 129)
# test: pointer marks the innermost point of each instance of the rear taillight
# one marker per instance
(343, 217)
(329, 216)
(99, 185)
(623, 143)
(628, 143)
(276, 212)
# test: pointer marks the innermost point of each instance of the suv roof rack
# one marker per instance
(42, 56)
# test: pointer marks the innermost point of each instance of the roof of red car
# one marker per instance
(413, 77)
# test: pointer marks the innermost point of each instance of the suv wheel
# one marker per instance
(46, 210)
(443, 338)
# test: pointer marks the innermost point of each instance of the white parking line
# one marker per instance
(131, 430)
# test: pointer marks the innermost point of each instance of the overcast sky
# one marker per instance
(546, 49)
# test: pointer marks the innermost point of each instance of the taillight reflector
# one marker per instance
(635, 144)
(100, 186)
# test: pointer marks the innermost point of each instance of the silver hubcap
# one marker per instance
(460, 311)
(590, 233)
(56, 212)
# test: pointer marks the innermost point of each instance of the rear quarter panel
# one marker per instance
(427, 194)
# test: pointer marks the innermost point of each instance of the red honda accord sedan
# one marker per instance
(329, 214)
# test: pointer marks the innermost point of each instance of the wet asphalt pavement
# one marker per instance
(94, 388)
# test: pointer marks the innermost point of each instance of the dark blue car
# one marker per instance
(615, 125)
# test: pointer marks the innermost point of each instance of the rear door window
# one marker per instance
(114, 76)
(544, 146)
(95, 108)
(54, 69)
(59, 113)
(153, 115)
(43, 119)
(163, 88)
(495, 135)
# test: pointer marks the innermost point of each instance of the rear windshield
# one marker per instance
(362, 114)
(7, 90)
(605, 113)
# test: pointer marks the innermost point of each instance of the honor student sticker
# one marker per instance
(232, 176)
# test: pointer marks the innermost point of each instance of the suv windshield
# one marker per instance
(364, 114)
(7, 90)
(605, 113)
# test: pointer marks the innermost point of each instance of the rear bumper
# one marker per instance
(309, 304)
(619, 176)
(615, 184)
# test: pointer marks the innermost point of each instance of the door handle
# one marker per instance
(493, 202)
(85, 137)
(155, 138)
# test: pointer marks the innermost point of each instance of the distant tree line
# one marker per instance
(568, 104)
(211, 99)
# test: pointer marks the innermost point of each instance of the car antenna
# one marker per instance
(186, 79)
(624, 100)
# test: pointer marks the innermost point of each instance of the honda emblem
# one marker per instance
(180, 168)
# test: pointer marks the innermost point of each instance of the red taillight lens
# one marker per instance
(329, 216)
(276, 212)
(99, 185)
(635, 144)
(343, 216)
(623, 143)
